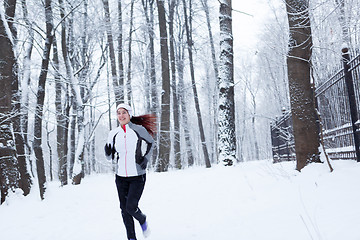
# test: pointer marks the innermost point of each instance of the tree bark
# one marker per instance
(120, 51)
(305, 121)
(9, 174)
(26, 82)
(25, 179)
(214, 94)
(128, 83)
(40, 100)
(196, 98)
(118, 88)
(60, 120)
(175, 96)
(226, 130)
(165, 144)
(153, 100)
(343, 22)
(182, 102)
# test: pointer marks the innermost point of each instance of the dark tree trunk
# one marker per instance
(305, 121)
(9, 174)
(128, 83)
(72, 129)
(165, 145)
(40, 100)
(60, 120)
(118, 89)
(25, 179)
(120, 51)
(148, 6)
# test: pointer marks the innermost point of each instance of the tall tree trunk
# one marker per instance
(9, 174)
(253, 127)
(182, 101)
(26, 81)
(214, 95)
(196, 98)
(60, 120)
(120, 52)
(25, 180)
(148, 6)
(345, 33)
(78, 170)
(226, 130)
(305, 126)
(211, 39)
(118, 89)
(40, 100)
(177, 152)
(72, 133)
(164, 146)
(128, 83)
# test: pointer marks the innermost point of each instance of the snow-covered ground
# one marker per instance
(251, 201)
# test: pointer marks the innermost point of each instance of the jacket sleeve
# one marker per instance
(144, 135)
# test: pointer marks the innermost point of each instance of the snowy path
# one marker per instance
(252, 201)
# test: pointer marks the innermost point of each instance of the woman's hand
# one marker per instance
(109, 149)
(142, 162)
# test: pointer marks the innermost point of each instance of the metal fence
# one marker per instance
(338, 101)
(282, 138)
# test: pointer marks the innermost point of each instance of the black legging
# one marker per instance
(130, 190)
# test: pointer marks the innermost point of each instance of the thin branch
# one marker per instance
(248, 14)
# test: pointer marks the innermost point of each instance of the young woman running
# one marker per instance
(130, 146)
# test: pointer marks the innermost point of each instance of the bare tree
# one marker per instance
(25, 180)
(305, 125)
(164, 145)
(128, 83)
(9, 174)
(214, 94)
(60, 119)
(196, 98)
(226, 130)
(344, 22)
(118, 87)
(152, 102)
(40, 99)
(177, 153)
(26, 79)
(120, 83)
(180, 59)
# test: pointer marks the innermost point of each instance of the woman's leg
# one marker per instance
(134, 194)
(122, 185)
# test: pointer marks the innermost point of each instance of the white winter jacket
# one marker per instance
(132, 146)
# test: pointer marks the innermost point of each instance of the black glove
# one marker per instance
(109, 149)
(143, 162)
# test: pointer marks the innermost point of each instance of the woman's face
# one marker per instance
(123, 116)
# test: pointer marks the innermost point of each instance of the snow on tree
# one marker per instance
(9, 174)
(226, 103)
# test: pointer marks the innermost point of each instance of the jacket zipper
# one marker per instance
(125, 152)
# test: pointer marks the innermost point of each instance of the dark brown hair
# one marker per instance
(148, 121)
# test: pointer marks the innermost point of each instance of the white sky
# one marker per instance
(245, 27)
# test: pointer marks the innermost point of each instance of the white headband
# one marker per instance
(125, 106)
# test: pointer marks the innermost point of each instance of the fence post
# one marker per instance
(352, 101)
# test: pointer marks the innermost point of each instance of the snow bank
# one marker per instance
(252, 201)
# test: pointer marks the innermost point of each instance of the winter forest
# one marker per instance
(217, 74)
